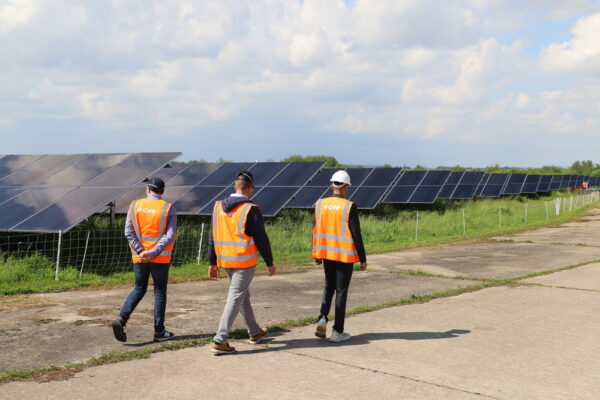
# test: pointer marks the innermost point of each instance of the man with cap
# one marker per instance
(150, 229)
(237, 236)
(337, 244)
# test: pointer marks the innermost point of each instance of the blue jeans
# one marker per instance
(337, 281)
(160, 277)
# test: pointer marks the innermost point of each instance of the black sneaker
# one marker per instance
(164, 335)
(118, 326)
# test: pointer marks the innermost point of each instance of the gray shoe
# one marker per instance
(337, 337)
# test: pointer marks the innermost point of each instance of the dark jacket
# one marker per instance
(255, 228)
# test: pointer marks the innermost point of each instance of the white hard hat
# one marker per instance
(341, 177)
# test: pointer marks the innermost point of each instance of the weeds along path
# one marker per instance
(57, 328)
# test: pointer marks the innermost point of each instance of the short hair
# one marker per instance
(242, 185)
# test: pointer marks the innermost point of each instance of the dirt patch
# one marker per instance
(97, 321)
(94, 312)
(23, 301)
(39, 320)
(61, 374)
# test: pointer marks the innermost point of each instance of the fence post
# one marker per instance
(546, 204)
(571, 205)
(464, 222)
(58, 255)
(87, 239)
(417, 227)
(200, 243)
(526, 213)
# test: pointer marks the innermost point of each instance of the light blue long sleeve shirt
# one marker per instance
(166, 239)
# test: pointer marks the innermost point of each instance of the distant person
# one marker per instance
(150, 229)
(337, 244)
(237, 236)
(584, 185)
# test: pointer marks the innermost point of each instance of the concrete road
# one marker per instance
(533, 340)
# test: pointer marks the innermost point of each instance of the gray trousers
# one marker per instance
(238, 300)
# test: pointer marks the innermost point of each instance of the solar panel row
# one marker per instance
(56, 192)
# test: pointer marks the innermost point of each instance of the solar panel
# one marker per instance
(307, 196)
(531, 184)
(464, 192)
(472, 178)
(482, 183)
(170, 171)
(494, 185)
(411, 178)
(544, 185)
(382, 177)
(271, 199)
(192, 175)
(195, 199)
(84, 171)
(367, 197)
(264, 172)
(448, 188)
(435, 178)
(429, 187)
(358, 175)
(40, 169)
(425, 194)
(296, 174)
(321, 178)
(7, 193)
(225, 174)
(469, 185)
(27, 203)
(514, 184)
(12, 163)
(400, 194)
(74, 193)
(556, 181)
(70, 210)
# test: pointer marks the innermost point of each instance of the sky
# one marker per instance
(372, 82)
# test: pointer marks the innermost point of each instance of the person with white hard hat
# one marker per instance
(337, 244)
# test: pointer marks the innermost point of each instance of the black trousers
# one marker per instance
(337, 280)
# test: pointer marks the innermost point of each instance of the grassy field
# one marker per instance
(385, 229)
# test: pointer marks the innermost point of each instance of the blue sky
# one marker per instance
(471, 82)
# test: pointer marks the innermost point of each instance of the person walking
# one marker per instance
(237, 236)
(150, 229)
(337, 244)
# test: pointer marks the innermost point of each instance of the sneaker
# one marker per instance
(321, 328)
(219, 348)
(339, 337)
(259, 337)
(118, 326)
(164, 335)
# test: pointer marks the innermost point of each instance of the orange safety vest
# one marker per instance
(233, 247)
(149, 219)
(332, 239)
(584, 185)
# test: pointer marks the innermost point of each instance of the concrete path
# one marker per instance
(532, 340)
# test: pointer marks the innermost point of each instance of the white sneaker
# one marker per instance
(321, 328)
(339, 337)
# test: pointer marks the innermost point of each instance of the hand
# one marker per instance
(213, 272)
(145, 256)
(317, 261)
(271, 270)
(363, 266)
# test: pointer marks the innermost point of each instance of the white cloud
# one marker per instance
(15, 13)
(581, 54)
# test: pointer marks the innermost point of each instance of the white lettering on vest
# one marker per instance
(146, 210)
(331, 207)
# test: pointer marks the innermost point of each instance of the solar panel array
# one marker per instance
(55, 192)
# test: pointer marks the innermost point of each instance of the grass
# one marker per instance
(388, 228)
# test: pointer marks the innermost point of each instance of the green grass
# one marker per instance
(388, 228)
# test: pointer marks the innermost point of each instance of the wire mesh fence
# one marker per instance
(105, 251)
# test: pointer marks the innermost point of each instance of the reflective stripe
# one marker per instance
(234, 244)
(333, 237)
(165, 253)
(335, 250)
(242, 219)
(163, 218)
(133, 218)
(150, 238)
(237, 258)
(345, 217)
(318, 214)
(215, 219)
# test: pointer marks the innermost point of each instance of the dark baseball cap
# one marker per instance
(156, 184)
(245, 176)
